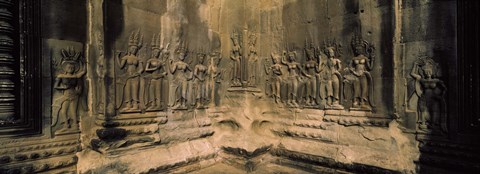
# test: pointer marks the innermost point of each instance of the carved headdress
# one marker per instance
(236, 38)
(253, 39)
(156, 42)
(201, 53)
(136, 39)
(428, 64)
(328, 44)
(357, 41)
(70, 56)
(309, 49)
(182, 48)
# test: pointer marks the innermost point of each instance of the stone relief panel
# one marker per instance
(156, 67)
(359, 78)
(274, 70)
(69, 69)
(331, 85)
(182, 76)
(252, 83)
(130, 84)
(428, 97)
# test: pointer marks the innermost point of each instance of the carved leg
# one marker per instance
(308, 92)
(329, 93)
(290, 93)
(72, 113)
(364, 91)
(158, 94)
(151, 95)
(423, 116)
(134, 92)
(356, 93)
(184, 96)
(204, 94)
(63, 115)
(336, 90)
(128, 96)
(294, 93)
(277, 92)
(314, 91)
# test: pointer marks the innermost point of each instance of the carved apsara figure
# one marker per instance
(252, 60)
(312, 68)
(156, 66)
(330, 77)
(200, 75)
(429, 94)
(359, 75)
(69, 82)
(275, 71)
(214, 77)
(293, 78)
(236, 56)
(133, 66)
(182, 74)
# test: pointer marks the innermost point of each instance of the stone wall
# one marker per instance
(215, 86)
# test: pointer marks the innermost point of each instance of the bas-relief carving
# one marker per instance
(214, 78)
(140, 89)
(275, 72)
(252, 60)
(200, 74)
(358, 74)
(320, 80)
(237, 57)
(331, 85)
(130, 84)
(428, 99)
(156, 67)
(293, 78)
(182, 75)
(68, 81)
(312, 68)
(244, 56)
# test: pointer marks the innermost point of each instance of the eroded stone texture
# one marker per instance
(251, 86)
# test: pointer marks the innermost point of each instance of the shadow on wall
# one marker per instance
(456, 149)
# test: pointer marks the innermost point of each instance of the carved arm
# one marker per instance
(148, 67)
(283, 58)
(171, 66)
(120, 61)
(303, 71)
(57, 84)
(82, 71)
(414, 72)
(371, 57)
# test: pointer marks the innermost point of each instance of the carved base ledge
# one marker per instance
(357, 121)
(133, 116)
(312, 124)
(59, 164)
(131, 122)
(185, 135)
(241, 89)
(22, 157)
(175, 166)
(304, 135)
(237, 151)
(299, 157)
(439, 152)
(132, 131)
(449, 164)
